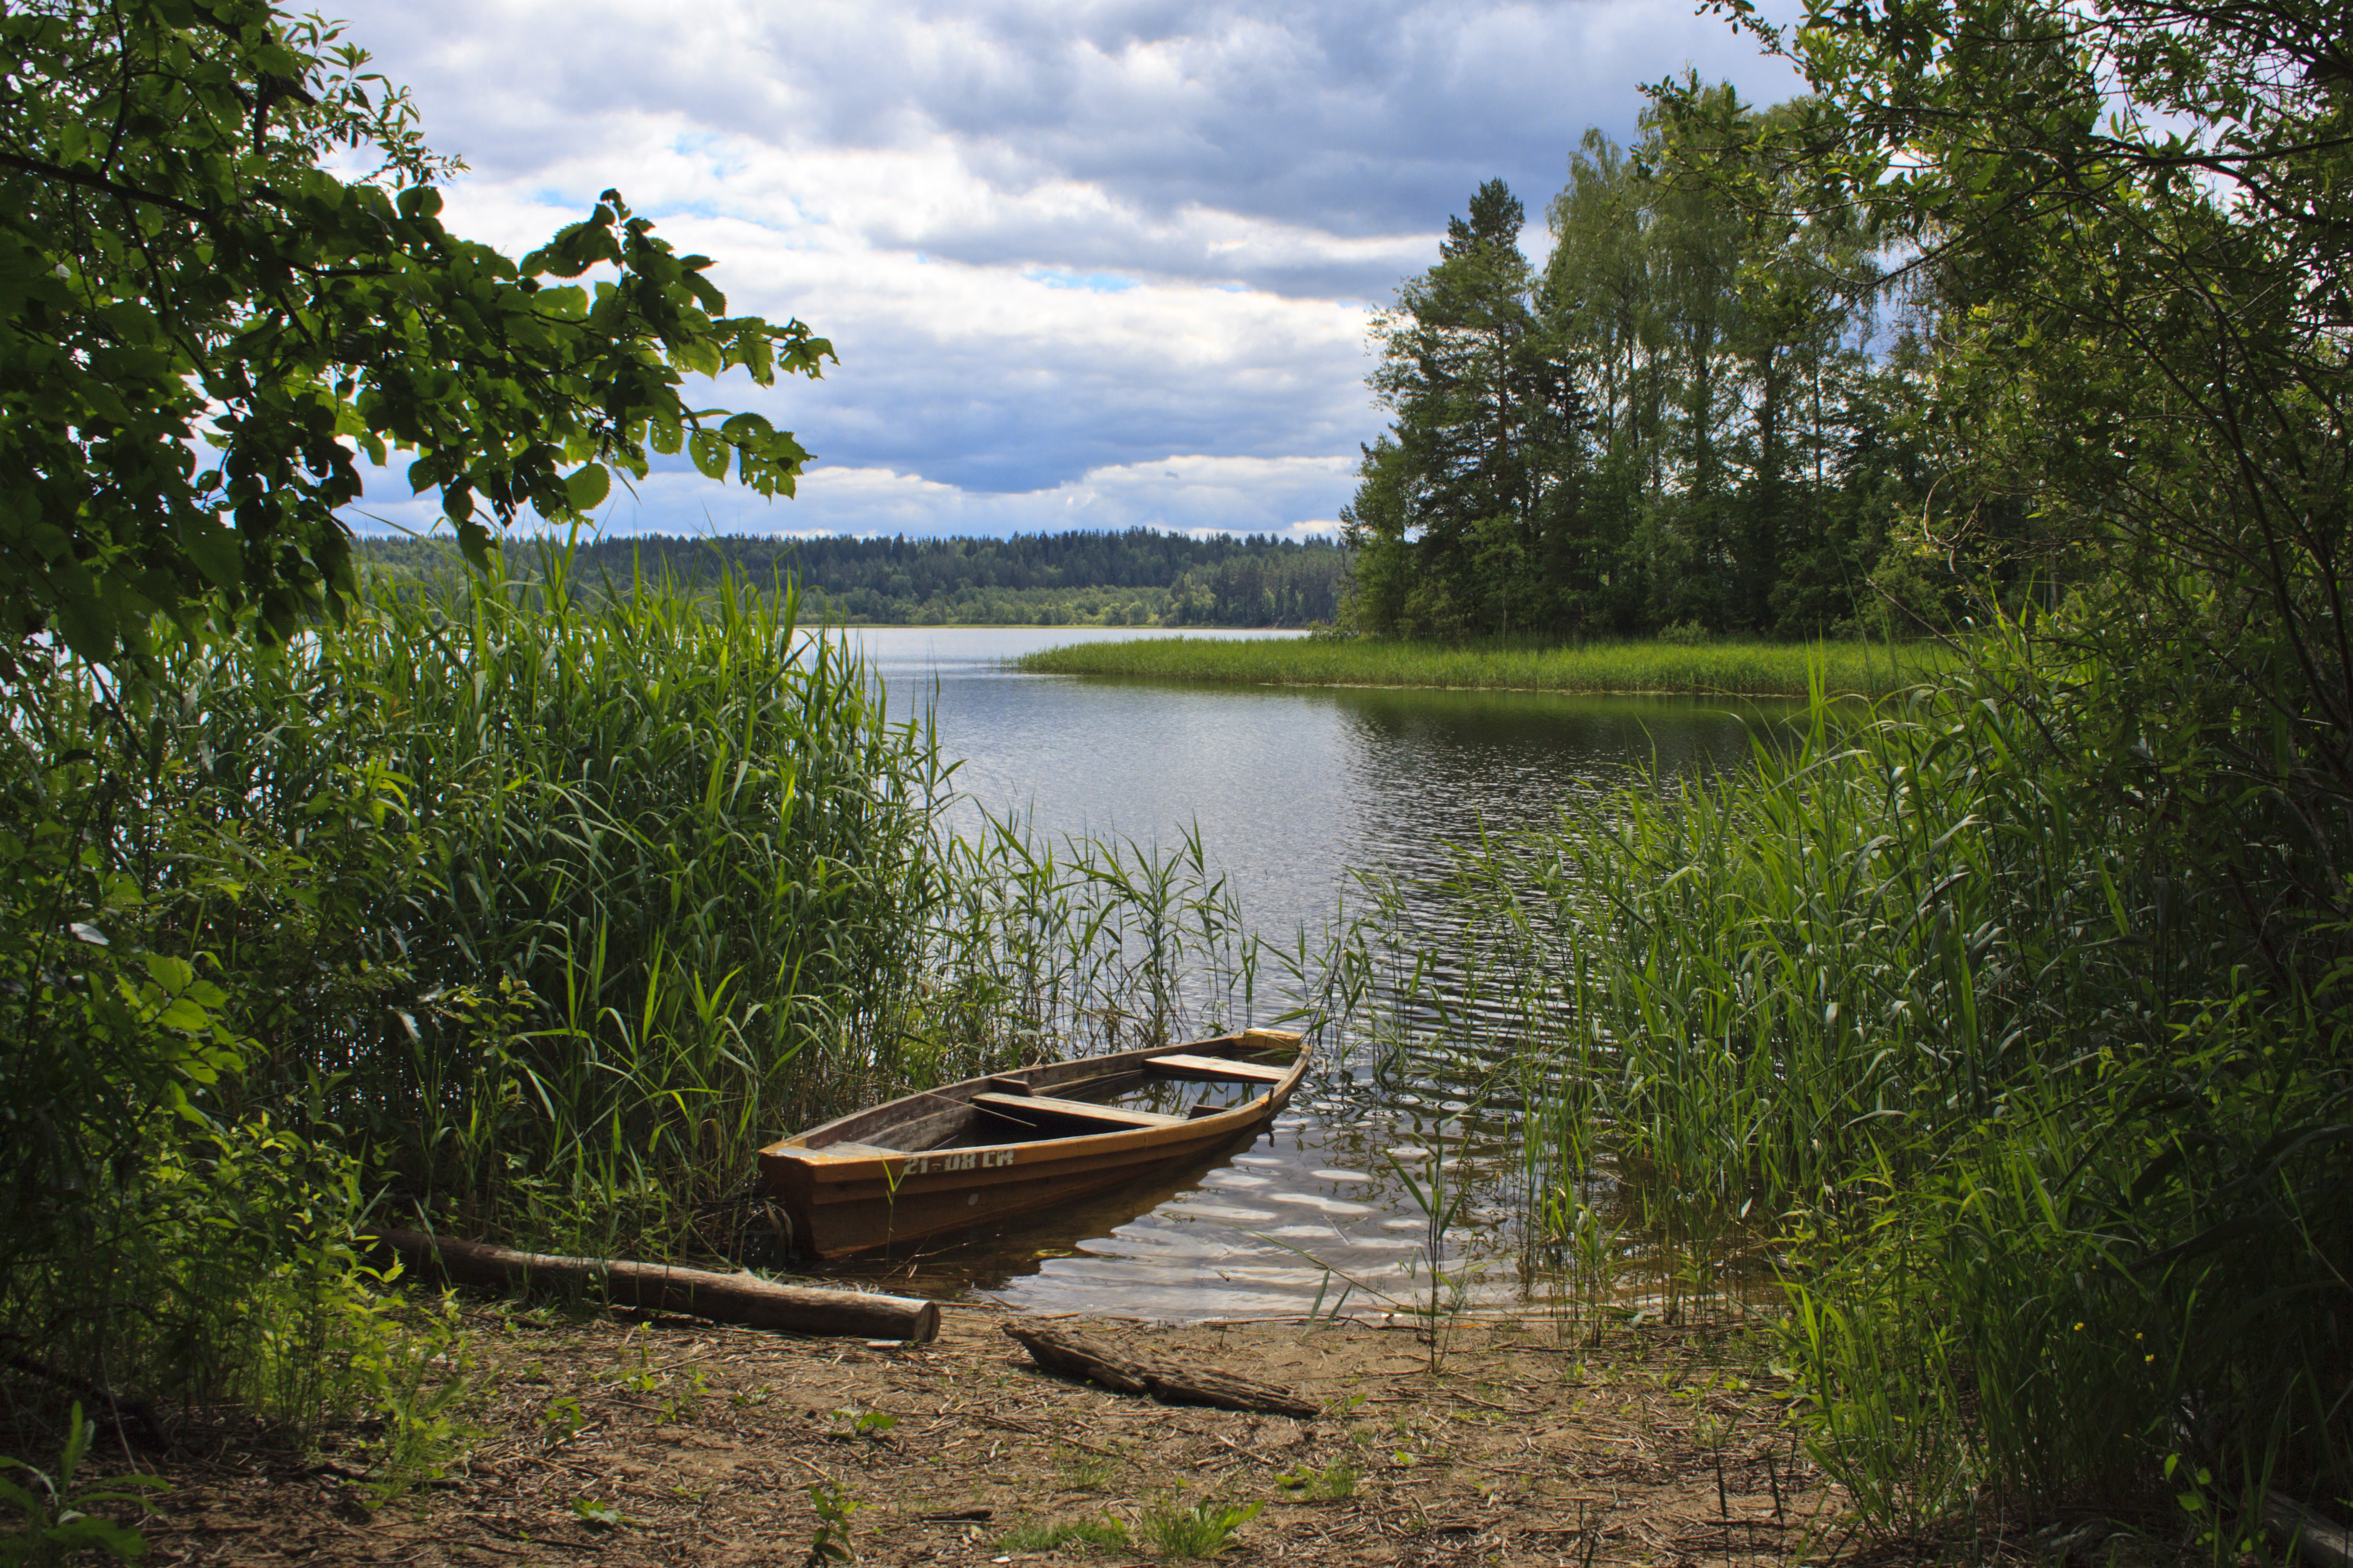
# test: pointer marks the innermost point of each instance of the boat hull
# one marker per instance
(842, 1193)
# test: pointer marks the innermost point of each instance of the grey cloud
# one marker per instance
(962, 416)
(1331, 140)
(1356, 120)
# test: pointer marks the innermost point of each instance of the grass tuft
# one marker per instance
(1200, 1530)
(1333, 1482)
(1104, 1534)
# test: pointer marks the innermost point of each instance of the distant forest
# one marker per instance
(1137, 578)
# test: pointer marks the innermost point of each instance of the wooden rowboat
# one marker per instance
(975, 1152)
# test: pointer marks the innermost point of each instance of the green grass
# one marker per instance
(1333, 1483)
(1201, 1531)
(1706, 669)
(1109, 1535)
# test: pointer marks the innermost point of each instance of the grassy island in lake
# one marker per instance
(1717, 668)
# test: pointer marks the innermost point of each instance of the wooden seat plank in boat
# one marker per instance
(1215, 1069)
(1028, 1105)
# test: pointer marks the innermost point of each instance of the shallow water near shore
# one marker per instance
(1291, 790)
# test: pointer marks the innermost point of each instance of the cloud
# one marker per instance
(1188, 494)
(1051, 241)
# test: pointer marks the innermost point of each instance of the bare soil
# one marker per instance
(627, 1440)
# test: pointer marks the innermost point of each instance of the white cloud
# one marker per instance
(1049, 241)
(1188, 494)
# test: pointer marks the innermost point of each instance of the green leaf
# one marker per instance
(87, 1533)
(603, 1516)
(474, 543)
(172, 974)
(588, 486)
(302, 318)
(710, 453)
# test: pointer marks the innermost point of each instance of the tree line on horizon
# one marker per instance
(1137, 577)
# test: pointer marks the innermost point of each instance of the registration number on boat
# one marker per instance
(960, 1159)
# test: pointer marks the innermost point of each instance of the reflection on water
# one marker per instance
(1291, 789)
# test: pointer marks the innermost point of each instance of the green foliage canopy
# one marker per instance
(2131, 220)
(1674, 421)
(2130, 224)
(203, 327)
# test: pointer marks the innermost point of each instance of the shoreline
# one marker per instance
(1171, 633)
(1526, 690)
(648, 1439)
(1762, 671)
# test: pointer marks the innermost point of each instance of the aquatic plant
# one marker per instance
(1976, 1047)
(1710, 670)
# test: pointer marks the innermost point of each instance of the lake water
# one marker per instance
(1290, 788)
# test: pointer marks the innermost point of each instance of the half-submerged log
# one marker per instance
(1171, 1382)
(722, 1297)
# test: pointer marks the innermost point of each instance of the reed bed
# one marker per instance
(1970, 1049)
(1700, 669)
(526, 912)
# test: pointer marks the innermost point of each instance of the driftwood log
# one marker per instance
(2319, 1541)
(722, 1297)
(1171, 1382)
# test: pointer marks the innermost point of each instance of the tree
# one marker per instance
(2134, 220)
(1666, 425)
(1720, 345)
(1484, 445)
(203, 327)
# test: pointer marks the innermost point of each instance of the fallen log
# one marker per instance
(2318, 1540)
(723, 1298)
(134, 1419)
(1171, 1382)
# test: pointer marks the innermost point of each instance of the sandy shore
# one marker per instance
(665, 1440)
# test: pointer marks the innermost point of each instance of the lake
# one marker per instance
(1291, 790)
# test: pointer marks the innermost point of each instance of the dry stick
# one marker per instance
(1010, 1424)
(1074, 1355)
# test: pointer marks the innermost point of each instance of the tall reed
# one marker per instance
(527, 911)
(1949, 992)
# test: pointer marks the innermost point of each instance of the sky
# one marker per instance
(1086, 263)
